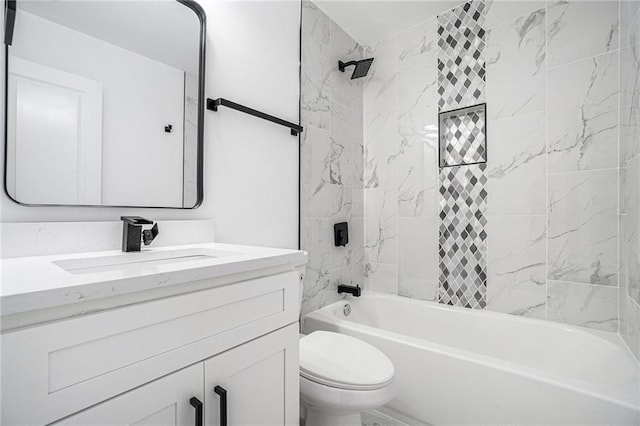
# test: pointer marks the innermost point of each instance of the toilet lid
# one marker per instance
(343, 362)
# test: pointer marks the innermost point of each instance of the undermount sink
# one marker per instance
(138, 260)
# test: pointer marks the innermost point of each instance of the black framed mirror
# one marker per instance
(104, 103)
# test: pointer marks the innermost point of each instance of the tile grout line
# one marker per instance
(608, 169)
(608, 52)
(620, 36)
(546, 138)
(578, 283)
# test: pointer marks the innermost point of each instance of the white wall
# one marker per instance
(250, 165)
(254, 60)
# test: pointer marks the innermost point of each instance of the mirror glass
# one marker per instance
(104, 103)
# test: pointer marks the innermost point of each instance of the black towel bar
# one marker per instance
(213, 104)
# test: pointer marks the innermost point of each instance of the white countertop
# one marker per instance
(33, 283)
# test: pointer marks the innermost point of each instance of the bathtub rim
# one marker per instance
(326, 314)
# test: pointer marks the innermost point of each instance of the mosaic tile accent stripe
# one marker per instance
(462, 136)
(463, 240)
(461, 56)
(463, 194)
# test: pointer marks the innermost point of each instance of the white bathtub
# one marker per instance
(458, 366)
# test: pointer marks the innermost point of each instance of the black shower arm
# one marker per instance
(343, 65)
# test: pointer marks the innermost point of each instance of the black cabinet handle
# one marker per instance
(197, 404)
(223, 404)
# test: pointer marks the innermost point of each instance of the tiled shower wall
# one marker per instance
(630, 175)
(556, 120)
(331, 159)
(552, 93)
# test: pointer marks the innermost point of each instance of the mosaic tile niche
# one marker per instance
(462, 136)
(462, 157)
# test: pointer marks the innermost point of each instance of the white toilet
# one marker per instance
(341, 376)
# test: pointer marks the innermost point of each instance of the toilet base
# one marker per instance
(320, 418)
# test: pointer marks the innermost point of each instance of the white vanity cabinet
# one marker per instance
(254, 378)
(260, 379)
(163, 402)
(142, 363)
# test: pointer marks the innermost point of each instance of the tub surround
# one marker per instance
(40, 288)
(516, 169)
(552, 174)
(331, 158)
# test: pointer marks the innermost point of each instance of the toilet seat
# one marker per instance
(343, 362)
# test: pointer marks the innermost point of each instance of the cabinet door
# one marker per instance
(163, 402)
(260, 379)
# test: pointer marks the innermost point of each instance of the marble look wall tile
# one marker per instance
(417, 88)
(418, 47)
(315, 152)
(315, 23)
(629, 134)
(381, 277)
(623, 321)
(380, 83)
(500, 11)
(516, 67)
(583, 231)
(380, 149)
(356, 243)
(516, 165)
(630, 331)
(629, 184)
(585, 305)
(418, 257)
(331, 159)
(629, 12)
(380, 116)
(630, 77)
(417, 121)
(630, 253)
(381, 225)
(315, 85)
(516, 282)
(315, 239)
(630, 100)
(346, 150)
(317, 291)
(357, 202)
(623, 281)
(417, 180)
(343, 48)
(580, 29)
(328, 202)
(583, 114)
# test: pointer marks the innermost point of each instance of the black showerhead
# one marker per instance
(361, 69)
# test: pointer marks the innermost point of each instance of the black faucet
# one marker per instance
(132, 234)
(354, 290)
